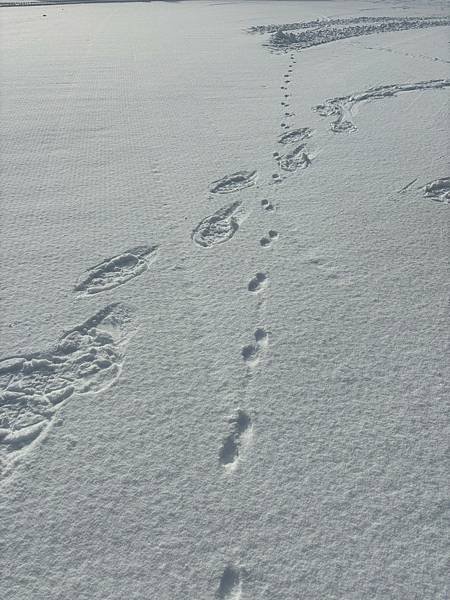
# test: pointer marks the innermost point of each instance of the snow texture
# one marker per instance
(248, 399)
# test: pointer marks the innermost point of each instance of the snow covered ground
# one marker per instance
(225, 295)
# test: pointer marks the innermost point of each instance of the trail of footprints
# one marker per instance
(295, 154)
(89, 358)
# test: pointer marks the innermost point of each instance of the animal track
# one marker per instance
(117, 270)
(240, 426)
(234, 182)
(296, 159)
(341, 106)
(218, 227)
(252, 353)
(33, 387)
(230, 586)
(296, 135)
(266, 241)
(258, 282)
(267, 205)
(438, 190)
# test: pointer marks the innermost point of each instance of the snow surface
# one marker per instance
(225, 296)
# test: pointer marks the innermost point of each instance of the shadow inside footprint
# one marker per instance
(267, 205)
(267, 240)
(230, 585)
(252, 353)
(239, 424)
(258, 282)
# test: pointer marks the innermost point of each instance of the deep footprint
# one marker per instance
(218, 227)
(296, 159)
(267, 205)
(230, 586)
(234, 182)
(117, 270)
(267, 240)
(238, 437)
(258, 282)
(341, 107)
(33, 387)
(252, 353)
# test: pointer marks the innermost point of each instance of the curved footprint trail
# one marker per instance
(117, 270)
(33, 387)
(253, 353)
(341, 106)
(220, 226)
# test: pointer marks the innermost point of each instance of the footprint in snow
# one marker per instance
(219, 227)
(234, 182)
(117, 270)
(252, 353)
(240, 428)
(258, 282)
(267, 240)
(230, 586)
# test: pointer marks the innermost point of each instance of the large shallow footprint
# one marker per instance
(234, 182)
(117, 270)
(88, 358)
(296, 135)
(220, 226)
